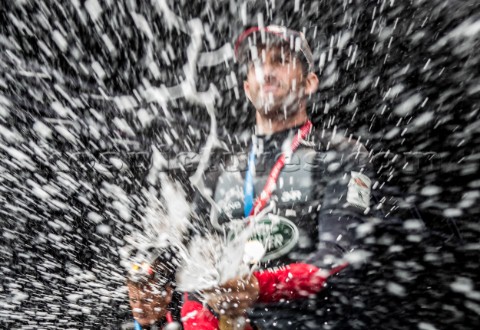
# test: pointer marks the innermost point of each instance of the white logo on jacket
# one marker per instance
(288, 196)
(359, 190)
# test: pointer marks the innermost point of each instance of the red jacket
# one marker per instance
(293, 281)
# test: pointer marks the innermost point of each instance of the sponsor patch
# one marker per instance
(277, 234)
(359, 190)
(272, 238)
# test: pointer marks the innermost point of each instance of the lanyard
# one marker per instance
(248, 187)
(251, 207)
(137, 325)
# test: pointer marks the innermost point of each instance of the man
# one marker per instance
(152, 296)
(314, 187)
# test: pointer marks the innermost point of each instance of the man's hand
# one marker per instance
(234, 297)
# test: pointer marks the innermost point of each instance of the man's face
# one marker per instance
(148, 303)
(275, 81)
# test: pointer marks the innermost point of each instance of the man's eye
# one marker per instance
(278, 59)
(287, 59)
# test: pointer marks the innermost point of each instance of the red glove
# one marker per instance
(195, 316)
(292, 281)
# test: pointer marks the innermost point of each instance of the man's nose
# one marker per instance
(267, 64)
(266, 72)
(267, 67)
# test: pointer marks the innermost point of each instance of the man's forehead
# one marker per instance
(279, 48)
(146, 286)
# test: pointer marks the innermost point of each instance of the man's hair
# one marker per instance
(255, 37)
(286, 47)
(161, 271)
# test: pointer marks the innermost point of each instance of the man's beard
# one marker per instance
(270, 108)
